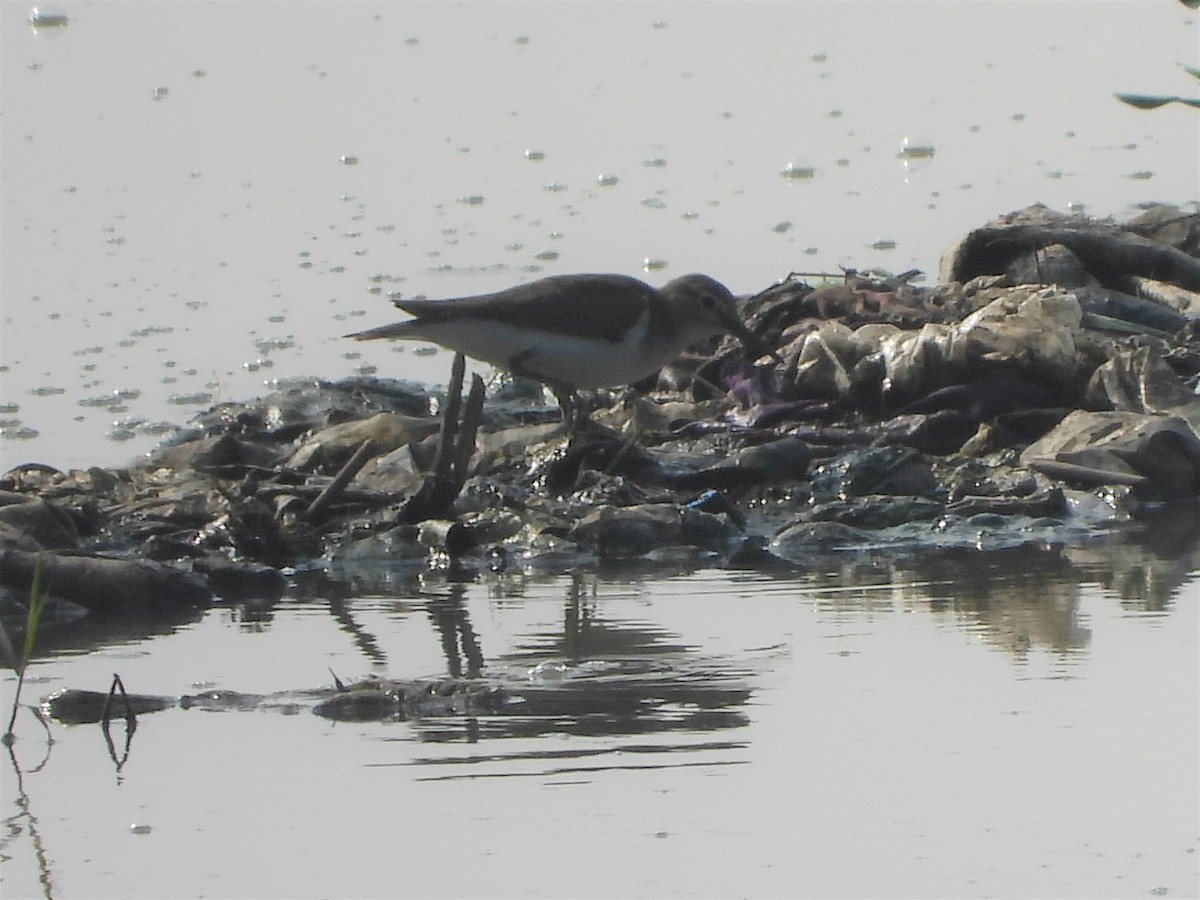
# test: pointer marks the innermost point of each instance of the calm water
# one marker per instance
(972, 725)
(996, 725)
(200, 197)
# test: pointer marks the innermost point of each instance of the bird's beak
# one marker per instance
(755, 345)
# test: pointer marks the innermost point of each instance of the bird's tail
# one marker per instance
(394, 331)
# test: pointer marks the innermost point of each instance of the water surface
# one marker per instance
(1015, 724)
(201, 197)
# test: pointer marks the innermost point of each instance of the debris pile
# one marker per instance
(1043, 390)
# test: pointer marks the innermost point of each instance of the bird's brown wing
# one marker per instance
(606, 305)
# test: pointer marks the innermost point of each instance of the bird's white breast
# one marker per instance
(564, 359)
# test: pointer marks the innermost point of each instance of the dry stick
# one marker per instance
(443, 459)
(337, 682)
(366, 450)
(465, 448)
(437, 492)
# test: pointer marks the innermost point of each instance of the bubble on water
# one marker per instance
(916, 153)
(654, 162)
(535, 155)
(653, 263)
(606, 180)
(267, 344)
(152, 329)
(195, 398)
(18, 433)
(47, 17)
(916, 148)
(100, 401)
(654, 203)
(798, 170)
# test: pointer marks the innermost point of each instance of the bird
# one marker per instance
(578, 332)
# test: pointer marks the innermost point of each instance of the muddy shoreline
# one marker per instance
(1041, 394)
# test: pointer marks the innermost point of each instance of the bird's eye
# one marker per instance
(708, 301)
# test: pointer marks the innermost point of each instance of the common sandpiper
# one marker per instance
(578, 332)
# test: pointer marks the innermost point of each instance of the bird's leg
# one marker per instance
(574, 413)
(564, 394)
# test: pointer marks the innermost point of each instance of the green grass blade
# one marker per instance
(37, 603)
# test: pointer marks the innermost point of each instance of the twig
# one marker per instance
(442, 460)
(435, 497)
(366, 450)
(465, 447)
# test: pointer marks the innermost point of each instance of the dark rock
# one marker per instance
(1141, 381)
(76, 707)
(105, 585)
(874, 470)
(1159, 455)
(1107, 251)
(30, 523)
(780, 461)
(876, 512)
(800, 542)
(629, 531)
(1053, 264)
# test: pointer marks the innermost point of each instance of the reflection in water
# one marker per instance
(1147, 567)
(585, 634)
(98, 629)
(366, 642)
(594, 678)
(459, 641)
(1018, 598)
(24, 820)
(624, 751)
